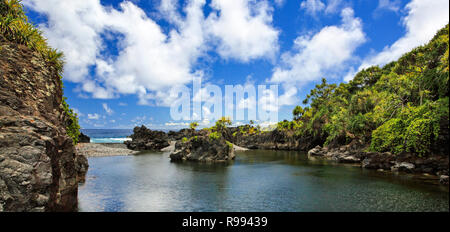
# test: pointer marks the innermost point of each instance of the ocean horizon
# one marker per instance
(110, 135)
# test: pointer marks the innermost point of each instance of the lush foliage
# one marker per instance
(395, 108)
(230, 145)
(193, 125)
(15, 27)
(215, 135)
(72, 127)
(222, 123)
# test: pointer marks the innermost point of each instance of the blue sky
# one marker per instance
(124, 58)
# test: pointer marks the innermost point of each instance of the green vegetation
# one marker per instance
(215, 135)
(230, 145)
(15, 27)
(193, 125)
(222, 123)
(395, 108)
(72, 128)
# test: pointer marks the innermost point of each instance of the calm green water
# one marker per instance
(255, 181)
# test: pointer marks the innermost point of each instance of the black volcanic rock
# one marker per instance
(203, 149)
(147, 139)
(39, 166)
(82, 138)
(434, 164)
(273, 140)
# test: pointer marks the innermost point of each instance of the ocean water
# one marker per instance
(108, 135)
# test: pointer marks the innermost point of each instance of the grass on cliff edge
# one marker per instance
(15, 27)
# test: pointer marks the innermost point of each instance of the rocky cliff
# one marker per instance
(39, 167)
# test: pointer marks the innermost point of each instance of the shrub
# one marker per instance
(419, 136)
(214, 135)
(414, 130)
(72, 127)
(193, 125)
(389, 136)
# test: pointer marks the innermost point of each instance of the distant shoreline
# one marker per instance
(103, 149)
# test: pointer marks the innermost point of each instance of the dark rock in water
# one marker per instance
(82, 138)
(403, 166)
(203, 149)
(81, 166)
(147, 139)
(39, 167)
(443, 179)
(403, 162)
(317, 151)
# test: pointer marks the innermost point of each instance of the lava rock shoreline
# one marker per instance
(195, 145)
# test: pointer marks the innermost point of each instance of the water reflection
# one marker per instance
(255, 181)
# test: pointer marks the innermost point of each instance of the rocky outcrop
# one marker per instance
(146, 139)
(273, 140)
(203, 149)
(404, 162)
(185, 133)
(82, 138)
(350, 153)
(39, 168)
(443, 179)
(81, 166)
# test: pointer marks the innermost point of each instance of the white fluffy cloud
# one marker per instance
(150, 62)
(333, 6)
(312, 6)
(243, 28)
(423, 20)
(323, 53)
